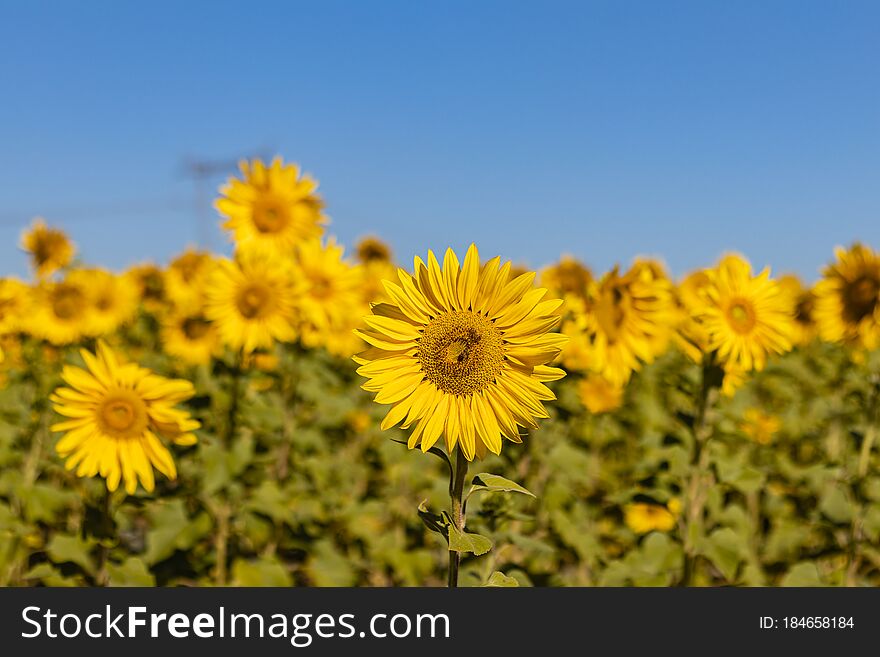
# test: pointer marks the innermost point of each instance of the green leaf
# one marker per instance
(262, 572)
(63, 548)
(726, 550)
(803, 574)
(50, 576)
(835, 505)
(460, 541)
(131, 572)
(436, 522)
(496, 483)
(500, 579)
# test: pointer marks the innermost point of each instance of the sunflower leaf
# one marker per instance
(500, 579)
(461, 541)
(496, 484)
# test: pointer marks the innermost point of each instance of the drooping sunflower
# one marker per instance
(746, 317)
(60, 312)
(847, 307)
(190, 337)
(330, 299)
(272, 206)
(461, 351)
(186, 279)
(114, 413)
(627, 322)
(250, 299)
(113, 299)
(49, 248)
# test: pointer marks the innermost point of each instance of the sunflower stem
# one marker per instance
(103, 577)
(456, 493)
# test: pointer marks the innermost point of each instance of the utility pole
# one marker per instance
(203, 172)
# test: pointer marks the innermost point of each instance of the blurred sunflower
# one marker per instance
(746, 317)
(690, 334)
(847, 307)
(186, 279)
(628, 322)
(14, 301)
(372, 249)
(759, 426)
(49, 248)
(114, 410)
(190, 337)
(113, 299)
(150, 284)
(375, 258)
(461, 351)
(271, 207)
(642, 518)
(568, 279)
(803, 300)
(330, 297)
(599, 395)
(60, 312)
(250, 299)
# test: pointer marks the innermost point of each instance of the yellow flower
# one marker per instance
(759, 426)
(746, 317)
(803, 300)
(61, 312)
(250, 299)
(643, 518)
(627, 322)
(847, 307)
(186, 279)
(114, 411)
(461, 352)
(190, 337)
(375, 259)
(271, 207)
(372, 249)
(329, 298)
(49, 248)
(149, 281)
(113, 299)
(14, 303)
(568, 277)
(598, 395)
(734, 378)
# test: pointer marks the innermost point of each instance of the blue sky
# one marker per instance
(603, 129)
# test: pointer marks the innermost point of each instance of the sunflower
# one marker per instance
(149, 281)
(250, 299)
(330, 297)
(14, 302)
(759, 426)
(271, 206)
(803, 300)
(746, 317)
(598, 395)
(60, 311)
(190, 337)
(628, 321)
(461, 351)
(113, 299)
(642, 518)
(186, 278)
(568, 279)
(114, 411)
(371, 249)
(847, 307)
(49, 248)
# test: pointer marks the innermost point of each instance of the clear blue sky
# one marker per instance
(604, 129)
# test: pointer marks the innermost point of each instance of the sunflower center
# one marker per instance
(270, 217)
(461, 352)
(741, 316)
(47, 248)
(861, 298)
(67, 302)
(321, 287)
(195, 328)
(122, 414)
(254, 300)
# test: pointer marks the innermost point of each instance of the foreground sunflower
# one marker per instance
(272, 206)
(461, 352)
(115, 411)
(747, 318)
(847, 305)
(250, 299)
(49, 248)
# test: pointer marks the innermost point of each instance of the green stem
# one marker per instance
(456, 491)
(865, 454)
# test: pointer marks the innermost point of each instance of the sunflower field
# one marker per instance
(293, 416)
